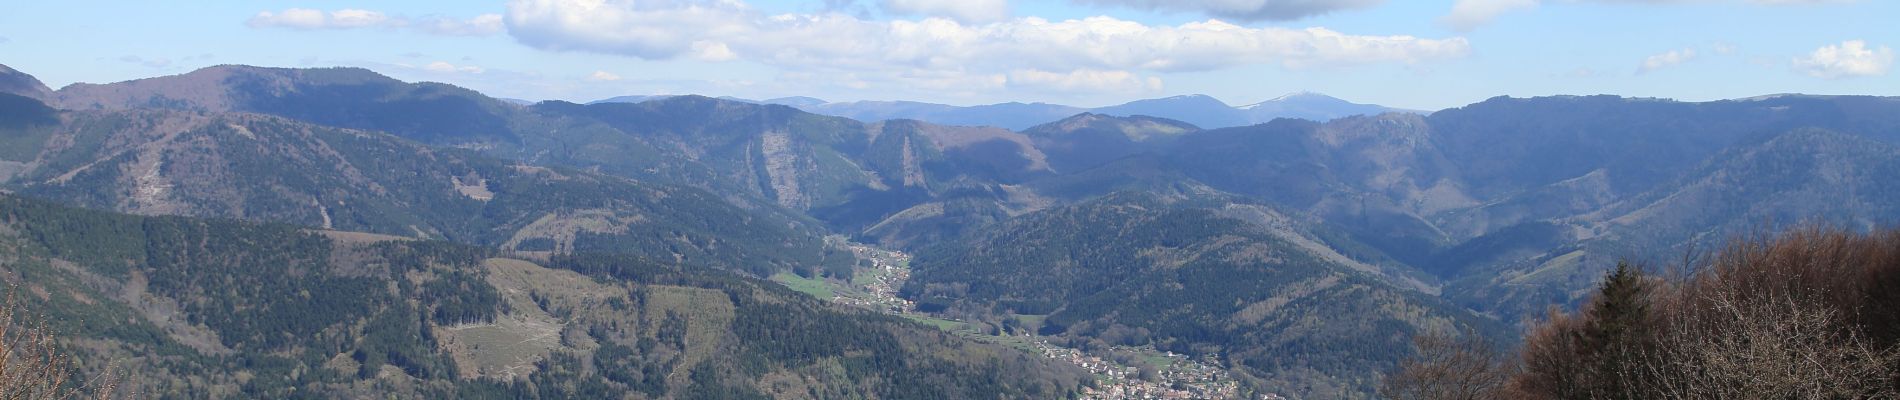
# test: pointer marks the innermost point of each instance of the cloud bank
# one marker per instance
(1087, 54)
(1244, 10)
(968, 11)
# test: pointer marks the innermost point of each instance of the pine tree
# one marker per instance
(1621, 307)
(1611, 336)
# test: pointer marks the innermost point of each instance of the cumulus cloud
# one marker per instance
(968, 11)
(1244, 10)
(1469, 14)
(1665, 60)
(349, 18)
(1850, 59)
(838, 42)
(443, 67)
(603, 76)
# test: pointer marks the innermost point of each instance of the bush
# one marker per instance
(1810, 314)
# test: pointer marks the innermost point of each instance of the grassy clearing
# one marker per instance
(1551, 269)
(814, 287)
(1157, 360)
(866, 276)
(1031, 320)
(944, 324)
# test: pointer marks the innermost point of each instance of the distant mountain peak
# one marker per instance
(13, 81)
(797, 101)
(1301, 95)
(1080, 118)
(794, 101)
(1305, 98)
(1078, 121)
(1186, 98)
(630, 99)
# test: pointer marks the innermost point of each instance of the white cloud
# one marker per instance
(603, 76)
(1850, 59)
(354, 18)
(1724, 48)
(1665, 60)
(442, 67)
(1469, 14)
(304, 18)
(905, 48)
(311, 19)
(707, 50)
(1245, 10)
(967, 11)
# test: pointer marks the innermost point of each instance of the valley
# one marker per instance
(440, 242)
(1120, 372)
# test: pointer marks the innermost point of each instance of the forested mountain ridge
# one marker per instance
(1237, 282)
(1088, 140)
(190, 308)
(748, 153)
(1197, 109)
(263, 168)
(1804, 177)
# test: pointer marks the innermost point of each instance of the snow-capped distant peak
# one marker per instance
(1296, 95)
(1292, 97)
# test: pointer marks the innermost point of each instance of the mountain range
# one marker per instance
(1296, 243)
(1200, 110)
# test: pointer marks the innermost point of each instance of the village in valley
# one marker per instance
(1121, 372)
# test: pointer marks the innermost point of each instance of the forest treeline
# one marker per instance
(1809, 314)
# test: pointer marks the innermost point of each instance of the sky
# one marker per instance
(1418, 54)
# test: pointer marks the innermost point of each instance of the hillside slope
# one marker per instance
(1241, 283)
(263, 168)
(189, 308)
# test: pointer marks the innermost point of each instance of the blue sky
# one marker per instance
(1424, 54)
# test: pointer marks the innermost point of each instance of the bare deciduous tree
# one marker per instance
(33, 367)
(1461, 367)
